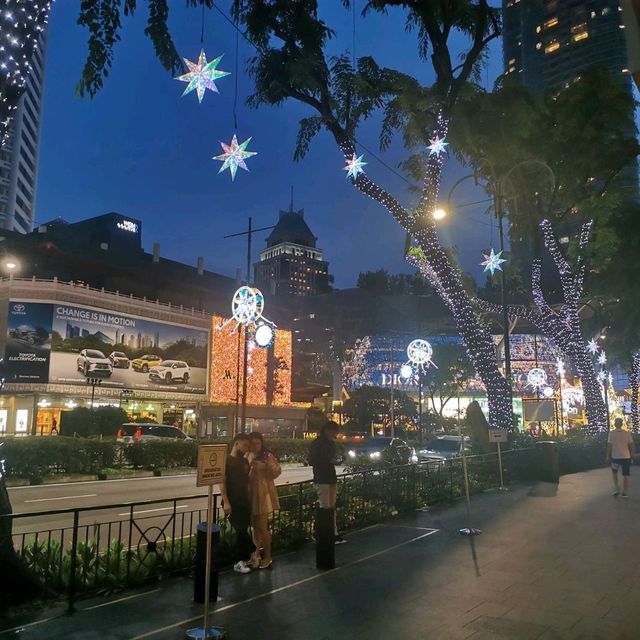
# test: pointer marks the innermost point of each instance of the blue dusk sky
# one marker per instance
(140, 149)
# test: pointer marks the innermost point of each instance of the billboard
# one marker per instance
(269, 370)
(124, 351)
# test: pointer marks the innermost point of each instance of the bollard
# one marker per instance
(325, 538)
(548, 462)
(200, 563)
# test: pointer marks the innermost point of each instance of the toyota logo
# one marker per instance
(18, 307)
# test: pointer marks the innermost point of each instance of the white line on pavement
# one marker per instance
(84, 495)
(106, 604)
(137, 513)
(287, 586)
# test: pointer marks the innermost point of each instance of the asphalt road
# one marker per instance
(107, 492)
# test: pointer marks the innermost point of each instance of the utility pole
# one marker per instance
(498, 204)
(393, 417)
(245, 366)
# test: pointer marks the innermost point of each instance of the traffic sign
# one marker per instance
(498, 435)
(212, 460)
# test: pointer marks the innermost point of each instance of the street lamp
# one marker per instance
(439, 214)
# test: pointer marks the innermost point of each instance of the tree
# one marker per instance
(381, 283)
(368, 404)
(453, 370)
(292, 63)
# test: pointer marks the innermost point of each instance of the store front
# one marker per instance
(275, 422)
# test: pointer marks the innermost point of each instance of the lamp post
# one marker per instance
(245, 363)
(93, 383)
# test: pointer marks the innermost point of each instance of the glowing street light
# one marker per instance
(439, 214)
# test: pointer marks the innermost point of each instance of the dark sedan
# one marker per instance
(389, 450)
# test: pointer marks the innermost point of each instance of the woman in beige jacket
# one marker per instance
(264, 498)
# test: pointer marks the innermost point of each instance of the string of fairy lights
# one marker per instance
(21, 25)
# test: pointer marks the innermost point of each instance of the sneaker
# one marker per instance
(254, 562)
(624, 495)
(241, 567)
(615, 494)
(340, 540)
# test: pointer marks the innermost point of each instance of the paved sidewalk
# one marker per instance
(549, 565)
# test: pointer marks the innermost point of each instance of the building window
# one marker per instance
(581, 35)
(551, 22)
(551, 47)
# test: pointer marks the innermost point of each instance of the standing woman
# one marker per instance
(264, 498)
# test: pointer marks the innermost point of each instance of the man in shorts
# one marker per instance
(620, 452)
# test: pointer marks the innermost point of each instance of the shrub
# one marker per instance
(161, 454)
(35, 458)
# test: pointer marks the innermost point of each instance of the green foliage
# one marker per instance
(453, 370)
(477, 427)
(35, 458)
(161, 454)
(101, 421)
(382, 283)
(369, 403)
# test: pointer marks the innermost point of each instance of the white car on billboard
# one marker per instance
(94, 362)
(170, 371)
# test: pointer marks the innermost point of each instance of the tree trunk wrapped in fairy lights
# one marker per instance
(563, 326)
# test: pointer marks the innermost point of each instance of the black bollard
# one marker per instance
(548, 462)
(325, 538)
(201, 563)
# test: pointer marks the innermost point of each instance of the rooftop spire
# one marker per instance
(291, 203)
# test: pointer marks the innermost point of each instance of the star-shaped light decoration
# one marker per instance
(202, 75)
(354, 166)
(560, 367)
(234, 156)
(601, 376)
(437, 146)
(593, 347)
(602, 358)
(492, 262)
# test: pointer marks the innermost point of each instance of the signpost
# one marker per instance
(212, 460)
(498, 436)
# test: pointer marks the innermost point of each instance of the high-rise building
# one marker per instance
(19, 156)
(292, 264)
(548, 44)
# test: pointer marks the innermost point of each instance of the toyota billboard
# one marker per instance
(67, 344)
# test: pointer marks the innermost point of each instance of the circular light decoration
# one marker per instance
(247, 305)
(537, 378)
(406, 371)
(547, 392)
(420, 352)
(264, 335)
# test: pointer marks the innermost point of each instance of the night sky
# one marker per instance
(140, 149)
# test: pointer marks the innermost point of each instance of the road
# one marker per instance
(107, 492)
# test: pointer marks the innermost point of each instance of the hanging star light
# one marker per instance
(437, 146)
(601, 376)
(602, 358)
(354, 166)
(492, 262)
(592, 347)
(202, 75)
(560, 367)
(234, 156)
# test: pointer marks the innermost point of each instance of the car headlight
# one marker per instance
(375, 454)
(352, 453)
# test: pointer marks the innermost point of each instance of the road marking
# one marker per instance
(84, 495)
(106, 604)
(137, 513)
(287, 586)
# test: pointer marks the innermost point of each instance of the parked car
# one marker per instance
(442, 448)
(29, 334)
(131, 432)
(170, 371)
(391, 450)
(145, 362)
(119, 360)
(94, 362)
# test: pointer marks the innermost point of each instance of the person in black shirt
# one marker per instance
(322, 457)
(236, 501)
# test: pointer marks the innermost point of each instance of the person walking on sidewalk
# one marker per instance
(236, 501)
(322, 457)
(620, 452)
(264, 498)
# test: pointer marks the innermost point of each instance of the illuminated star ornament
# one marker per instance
(492, 262)
(602, 358)
(202, 75)
(354, 166)
(592, 347)
(437, 146)
(234, 156)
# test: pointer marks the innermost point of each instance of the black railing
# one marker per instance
(91, 549)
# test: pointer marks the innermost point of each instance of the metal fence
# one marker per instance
(92, 549)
